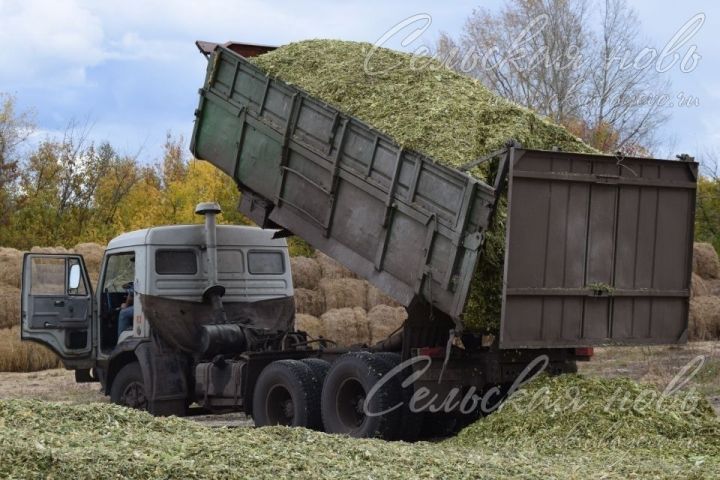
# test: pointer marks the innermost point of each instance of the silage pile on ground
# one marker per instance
(331, 302)
(40, 439)
(448, 116)
(17, 356)
(705, 291)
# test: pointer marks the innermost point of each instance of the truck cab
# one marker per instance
(158, 268)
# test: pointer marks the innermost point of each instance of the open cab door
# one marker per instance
(57, 306)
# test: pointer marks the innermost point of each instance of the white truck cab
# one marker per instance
(61, 310)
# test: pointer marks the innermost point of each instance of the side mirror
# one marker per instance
(74, 277)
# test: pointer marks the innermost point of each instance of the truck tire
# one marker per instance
(128, 388)
(346, 386)
(286, 393)
(319, 368)
(410, 422)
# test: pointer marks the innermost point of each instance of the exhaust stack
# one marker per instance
(214, 292)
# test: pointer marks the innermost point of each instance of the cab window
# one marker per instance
(266, 263)
(120, 270)
(175, 262)
(48, 276)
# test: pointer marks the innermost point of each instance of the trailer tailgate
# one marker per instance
(598, 250)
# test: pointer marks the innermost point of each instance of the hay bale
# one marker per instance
(713, 287)
(10, 267)
(306, 272)
(344, 293)
(9, 307)
(332, 269)
(385, 320)
(376, 297)
(50, 250)
(705, 261)
(92, 254)
(704, 318)
(19, 356)
(347, 326)
(698, 286)
(310, 302)
(309, 324)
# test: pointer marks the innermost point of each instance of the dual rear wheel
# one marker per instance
(345, 397)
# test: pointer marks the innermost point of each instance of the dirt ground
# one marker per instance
(653, 365)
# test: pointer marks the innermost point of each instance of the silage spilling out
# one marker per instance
(428, 108)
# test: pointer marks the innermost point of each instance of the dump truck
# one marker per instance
(598, 251)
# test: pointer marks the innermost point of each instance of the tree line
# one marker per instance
(68, 190)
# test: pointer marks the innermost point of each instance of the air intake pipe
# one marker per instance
(214, 292)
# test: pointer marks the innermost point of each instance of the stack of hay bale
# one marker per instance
(331, 302)
(705, 292)
(20, 356)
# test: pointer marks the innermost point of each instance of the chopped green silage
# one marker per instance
(573, 412)
(53, 440)
(450, 117)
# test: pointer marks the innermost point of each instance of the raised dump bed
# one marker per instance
(598, 248)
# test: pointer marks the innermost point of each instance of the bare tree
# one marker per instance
(616, 87)
(543, 54)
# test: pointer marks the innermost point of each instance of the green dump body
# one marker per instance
(598, 249)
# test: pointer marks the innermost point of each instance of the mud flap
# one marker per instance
(165, 374)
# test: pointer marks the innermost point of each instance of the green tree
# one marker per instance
(15, 128)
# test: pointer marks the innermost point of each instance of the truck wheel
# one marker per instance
(286, 393)
(128, 388)
(410, 422)
(344, 393)
(319, 369)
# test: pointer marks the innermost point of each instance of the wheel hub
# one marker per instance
(134, 396)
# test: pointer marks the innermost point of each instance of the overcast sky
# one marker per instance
(130, 68)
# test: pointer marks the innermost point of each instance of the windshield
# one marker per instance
(119, 272)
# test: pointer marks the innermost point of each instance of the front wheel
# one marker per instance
(128, 388)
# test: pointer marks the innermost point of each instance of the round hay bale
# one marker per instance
(332, 269)
(309, 302)
(10, 267)
(698, 286)
(346, 326)
(50, 250)
(344, 293)
(705, 261)
(306, 272)
(19, 356)
(92, 254)
(9, 307)
(384, 320)
(376, 297)
(713, 287)
(704, 318)
(309, 324)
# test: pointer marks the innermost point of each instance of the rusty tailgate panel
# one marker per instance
(599, 250)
